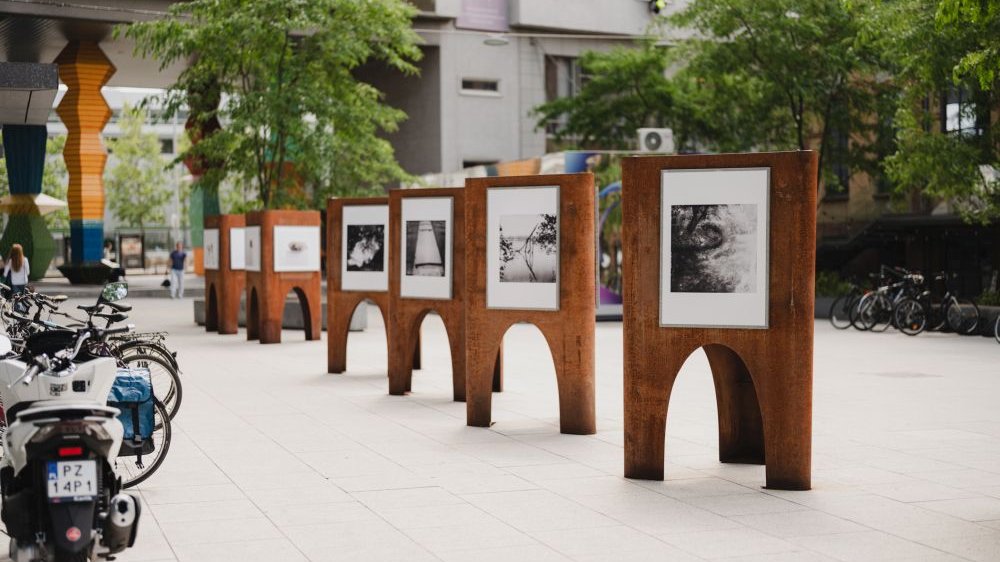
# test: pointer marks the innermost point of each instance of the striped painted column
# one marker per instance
(84, 69)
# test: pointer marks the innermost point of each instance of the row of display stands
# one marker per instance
(718, 253)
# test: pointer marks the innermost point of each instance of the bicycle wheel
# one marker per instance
(141, 347)
(840, 312)
(876, 314)
(166, 382)
(962, 316)
(910, 316)
(855, 311)
(134, 469)
(996, 329)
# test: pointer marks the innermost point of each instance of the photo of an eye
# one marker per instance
(296, 246)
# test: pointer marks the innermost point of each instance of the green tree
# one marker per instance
(136, 185)
(794, 72)
(297, 124)
(926, 46)
(982, 18)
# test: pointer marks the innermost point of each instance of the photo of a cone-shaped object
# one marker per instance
(427, 257)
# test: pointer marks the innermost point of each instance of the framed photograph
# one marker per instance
(237, 249)
(714, 263)
(426, 245)
(210, 242)
(296, 248)
(522, 248)
(365, 252)
(252, 254)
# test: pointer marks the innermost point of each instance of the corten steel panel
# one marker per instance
(266, 289)
(407, 314)
(224, 286)
(568, 331)
(340, 304)
(763, 377)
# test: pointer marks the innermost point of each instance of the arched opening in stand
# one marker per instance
(253, 316)
(366, 329)
(212, 309)
(530, 387)
(305, 317)
(433, 353)
(713, 413)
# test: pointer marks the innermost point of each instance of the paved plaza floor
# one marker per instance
(273, 459)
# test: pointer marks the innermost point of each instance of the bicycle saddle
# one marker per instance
(114, 318)
(119, 306)
(89, 309)
(54, 298)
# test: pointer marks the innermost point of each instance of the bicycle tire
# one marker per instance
(147, 347)
(856, 311)
(910, 316)
(840, 312)
(146, 471)
(170, 396)
(877, 316)
(996, 330)
(962, 316)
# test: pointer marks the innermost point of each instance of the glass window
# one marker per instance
(166, 146)
(480, 85)
(959, 113)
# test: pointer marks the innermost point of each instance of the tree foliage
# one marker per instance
(136, 185)
(296, 124)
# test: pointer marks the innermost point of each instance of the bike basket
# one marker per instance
(132, 393)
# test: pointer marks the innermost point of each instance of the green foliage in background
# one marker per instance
(831, 284)
(297, 125)
(135, 181)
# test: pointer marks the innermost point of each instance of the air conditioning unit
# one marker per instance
(656, 140)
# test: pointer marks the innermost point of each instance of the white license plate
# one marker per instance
(72, 480)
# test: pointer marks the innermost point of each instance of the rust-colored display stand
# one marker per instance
(224, 284)
(340, 303)
(267, 288)
(569, 331)
(406, 314)
(763, 377)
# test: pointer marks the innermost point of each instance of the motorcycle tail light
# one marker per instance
(70, 451)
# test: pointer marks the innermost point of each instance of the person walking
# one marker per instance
(178, 258)
(17, 269)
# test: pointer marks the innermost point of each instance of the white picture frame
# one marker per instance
(365, 267)
(237, 248)
(426, 247)
(714, 247)
(524, 274)
(210, 243)
(252, 253)
(296, 248)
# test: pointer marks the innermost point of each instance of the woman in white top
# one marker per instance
(17, 269)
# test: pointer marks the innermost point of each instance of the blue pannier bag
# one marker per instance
(132, 393)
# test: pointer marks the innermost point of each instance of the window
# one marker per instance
(959, 114)
(564, 78)
(473, 163)
(480, 86)
(166, 146)
(838, 181)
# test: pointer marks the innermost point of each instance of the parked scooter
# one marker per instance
(62, 500)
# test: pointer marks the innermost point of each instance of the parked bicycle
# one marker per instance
(914, 314)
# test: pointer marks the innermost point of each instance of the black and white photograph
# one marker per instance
(366, 247)
(713, 248)
(522, 252)
(237, 249)
(210, 239)
(252, 253)
(296, 248)
(714, 226)
(529, 250)
(364, 264)
(425, 248)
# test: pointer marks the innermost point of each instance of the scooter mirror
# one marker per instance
(114, 292)
(5, 346)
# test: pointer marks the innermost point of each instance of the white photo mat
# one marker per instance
(253, 248)
(296, 248)
(353, 280)
(210, 242)
(432, 209)
(520, 202)
(237, 248)
(738, 188)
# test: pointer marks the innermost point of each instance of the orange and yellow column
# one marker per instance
(84, 69)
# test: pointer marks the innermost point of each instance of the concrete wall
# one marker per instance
(629, 17)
